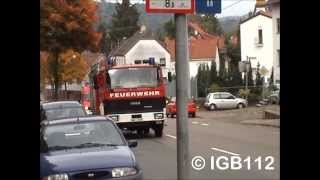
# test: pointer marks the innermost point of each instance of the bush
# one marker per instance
(254, 98)
(243, 93)
(215, 88)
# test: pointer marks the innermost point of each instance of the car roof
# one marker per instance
(76, 120)
(220, 93)
(60, 104)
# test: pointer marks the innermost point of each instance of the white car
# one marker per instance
(224, 100)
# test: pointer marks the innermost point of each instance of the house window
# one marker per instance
(278, 25)
(260, 36)
(145, 61)
(137, 61)
(162, 61)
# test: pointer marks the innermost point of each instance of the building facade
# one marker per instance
(274, 6)
(256, 35)
(139, 48)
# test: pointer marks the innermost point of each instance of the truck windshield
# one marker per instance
(133, 77)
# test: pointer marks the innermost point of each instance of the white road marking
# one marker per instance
(168, 135)
(224, 151)
(195, 122)
(73, 134)
(204, 124)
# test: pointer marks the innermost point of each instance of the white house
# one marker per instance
(257, 41)
(274, 6)
(139, 48)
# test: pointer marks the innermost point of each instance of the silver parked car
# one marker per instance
(224, 100)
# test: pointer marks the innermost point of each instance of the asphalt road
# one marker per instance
(212, 137)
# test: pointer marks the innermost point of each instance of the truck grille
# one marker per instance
(134, 105)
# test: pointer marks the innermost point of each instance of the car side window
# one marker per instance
(225, 96)
(216, 96)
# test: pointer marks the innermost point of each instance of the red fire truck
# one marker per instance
(132, 95)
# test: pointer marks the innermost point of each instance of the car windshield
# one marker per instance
(133, 77)
(82, 135)
(208, 97)
(66, 112)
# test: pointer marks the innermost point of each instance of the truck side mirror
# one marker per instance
(169, 76)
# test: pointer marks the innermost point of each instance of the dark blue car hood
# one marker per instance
(85, 159)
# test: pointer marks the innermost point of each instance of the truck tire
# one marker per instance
(146, 131)
(140, 132)
(158, 130)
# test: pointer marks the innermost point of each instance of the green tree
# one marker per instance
(170, 29)
(211, 24)
(250, 77)
(105, 45)
(213, 73)
(66, 25)
(203, 78)
(271, 84)
(234, 51)
(124, 22)
(223, 75)
(259, 81)
(235, 79)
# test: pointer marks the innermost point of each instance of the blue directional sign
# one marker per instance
(208, 6)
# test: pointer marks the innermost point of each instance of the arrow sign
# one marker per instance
(208, 6)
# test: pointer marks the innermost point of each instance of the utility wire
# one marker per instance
(232, 5)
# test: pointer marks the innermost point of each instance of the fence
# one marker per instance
(171, 88)
(62, 95)
(257, 93)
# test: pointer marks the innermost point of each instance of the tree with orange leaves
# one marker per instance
(73, 67)
(67, 24)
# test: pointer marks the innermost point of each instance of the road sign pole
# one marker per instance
(182, 89)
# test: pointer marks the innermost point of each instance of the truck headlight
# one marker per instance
(121, 172)
(114, 117)
(57, 177)
(158, 115)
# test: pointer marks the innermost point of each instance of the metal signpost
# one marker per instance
(180, 8)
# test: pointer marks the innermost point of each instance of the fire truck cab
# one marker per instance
(132, 95)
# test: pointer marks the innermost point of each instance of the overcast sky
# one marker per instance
(229, 7)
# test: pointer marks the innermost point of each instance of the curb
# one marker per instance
(263, 122)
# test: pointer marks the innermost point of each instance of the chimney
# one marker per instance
(260, 6)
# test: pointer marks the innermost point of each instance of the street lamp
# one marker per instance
(244, 66)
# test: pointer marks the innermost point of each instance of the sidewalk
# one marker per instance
(263, 122)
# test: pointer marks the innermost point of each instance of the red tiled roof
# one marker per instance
(198, 48)
(202, 46)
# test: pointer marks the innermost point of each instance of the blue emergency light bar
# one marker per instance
(152, 61)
